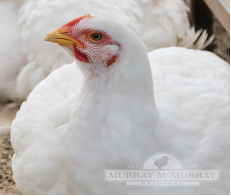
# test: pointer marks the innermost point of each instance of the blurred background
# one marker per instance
(210, 15)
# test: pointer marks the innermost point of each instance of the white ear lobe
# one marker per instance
(110, 50)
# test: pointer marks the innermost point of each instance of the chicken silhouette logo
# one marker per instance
(161, 162)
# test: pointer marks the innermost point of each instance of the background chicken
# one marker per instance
(160, 23)
(11, 56)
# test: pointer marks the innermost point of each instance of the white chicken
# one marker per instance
(159, 24)
(100, 113)
(11, 56)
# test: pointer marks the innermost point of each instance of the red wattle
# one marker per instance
(80, 56)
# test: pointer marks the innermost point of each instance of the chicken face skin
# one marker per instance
(89, 45)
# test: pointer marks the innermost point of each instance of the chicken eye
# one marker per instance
(96, 36)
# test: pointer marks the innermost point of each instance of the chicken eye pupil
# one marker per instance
(96, 36)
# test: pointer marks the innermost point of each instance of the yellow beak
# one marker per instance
(60, 36)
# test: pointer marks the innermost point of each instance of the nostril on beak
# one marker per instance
(64, 31)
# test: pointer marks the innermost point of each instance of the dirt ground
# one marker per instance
(220, 46)
(221, 43)
(7, 185)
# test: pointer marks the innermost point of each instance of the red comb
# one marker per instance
(76, 20)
